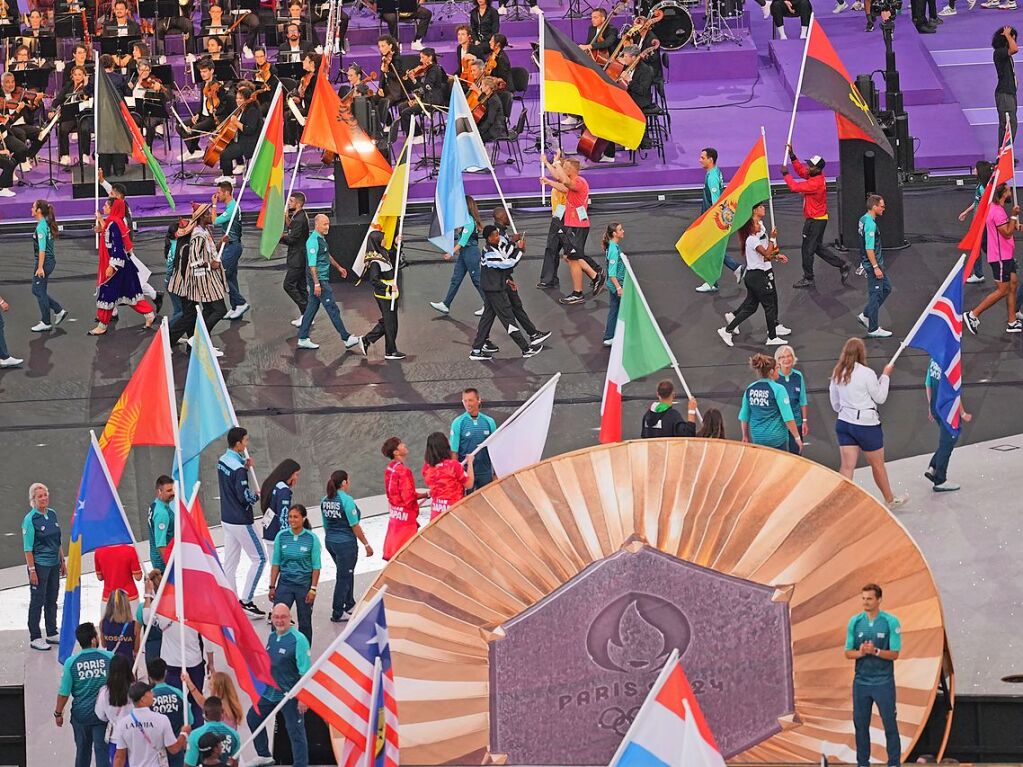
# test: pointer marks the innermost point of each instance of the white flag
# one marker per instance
(519, 441)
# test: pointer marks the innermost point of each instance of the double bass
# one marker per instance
(602, 56)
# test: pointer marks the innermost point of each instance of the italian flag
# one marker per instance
(638, 350)
(267, 176)
(703, 245)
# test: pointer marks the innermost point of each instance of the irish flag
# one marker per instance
(267, 176)
(638, 350)
(704, 243)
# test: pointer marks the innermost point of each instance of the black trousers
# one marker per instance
(176, 24)
(7, 165)
(552, 253)
(576, 237)
(204, 124)
(497, 305)
(813, 244)
(519, 311)
(64, 131)
(760, 291)
(295, 286)
(232, 152)
(422, 17)
(212, 313)
(386, 327)
(802, 9)
(113, 164)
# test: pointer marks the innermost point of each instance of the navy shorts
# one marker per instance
(1002, 270)
(866, 438)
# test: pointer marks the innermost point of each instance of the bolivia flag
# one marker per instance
(704, 243)
(267, 176)
(392, 206)
(638, 350)
(575, 84)
(118, 133)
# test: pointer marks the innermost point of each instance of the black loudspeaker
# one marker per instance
(867, 169)
(317, 734)
(353, 213)
(344, 241)
(365, 115)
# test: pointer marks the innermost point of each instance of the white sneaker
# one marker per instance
(970, 4)
(948, 10)
(290, 149)
(1019, 315)
(440, 306)
(839, 7)
(247, 53)
(60, 316)
(239, 311)
(879, 333)
(501, 10)
(857, 6)
(609, 342)
(305, 343)
(297, 323)
(776, 341)
(11, 362)
(354, 342)
(605, 158)
(1009, 6)
(39, 644)
(706, 288)
(479, 312)
(87, 159)
(729, 316)
(26, 166)
(53, 639)
(221, 179)
(781, 33)
(767, 10)
(7, 192)
(417, 45)
(781, 330)
(41, 327)
(863, 320)
(725, 336)
(262, 761)
(898, 500)
(65, 160)
(570, 121)
(237, 170)
(974, 279)
(535, 10)
(231, 314)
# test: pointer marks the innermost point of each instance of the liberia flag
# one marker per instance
(939, 332)
(351, 687)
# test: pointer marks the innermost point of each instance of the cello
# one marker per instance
(224, 135)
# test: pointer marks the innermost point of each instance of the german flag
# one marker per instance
(826, 80)
(574, 84)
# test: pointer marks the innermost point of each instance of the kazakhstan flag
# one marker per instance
(98, 521)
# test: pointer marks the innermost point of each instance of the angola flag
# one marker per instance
(361, 161)
(391, 208)
(826, 80)
(704, 243)
(118, 133)
(573, 83)
(267, 177)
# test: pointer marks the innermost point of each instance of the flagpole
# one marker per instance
(288, 695)
(294, 171)
(542, 117)
(770, 197)
(657, 327)
(924, 313)
(96, 73)
(152, 610)
(504, 202)
(651, 697)
(799, 91)
(553, 380)
(371, 725)
(404, 204)
(1012, 154)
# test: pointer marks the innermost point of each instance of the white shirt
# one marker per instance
(754, 259)
(856, 402)
(143, 733)
(105, 711)
(170, 648)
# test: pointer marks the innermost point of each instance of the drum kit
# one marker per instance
(676, 30)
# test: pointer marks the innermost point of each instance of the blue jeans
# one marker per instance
(290, 593)
(90, 739)
(613, 303)
(43, 600)
(229, 259)
(877, 291)
(345, 554)
(467, 262)
(941, 457)
(39, 284)
(4, 354)
(326, 298)
(293, 721)
(864, 698)
(197, 674)
(175, 301)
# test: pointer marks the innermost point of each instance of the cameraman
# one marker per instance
(1005, 47)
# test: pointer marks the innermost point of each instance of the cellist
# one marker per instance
(601, 36)
(213, 109)
(243, 145)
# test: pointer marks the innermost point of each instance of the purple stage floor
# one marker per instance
(718, 97)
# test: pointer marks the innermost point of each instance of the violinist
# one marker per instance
(122, 24)
(80, 57)
(494, 123)
(497, 64)
(358, 87)
(265, 76)
(422, 15)
(244, 144)
(213, 108)
(466, 48)
(20, 135)
(484, 23)
(150, 91)
(75, 91)
(293, 48)
(426, 83)
(392, 71)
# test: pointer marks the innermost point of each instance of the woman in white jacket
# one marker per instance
(112, 701)
(856, 391)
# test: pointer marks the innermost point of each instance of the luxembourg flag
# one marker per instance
(669, 730)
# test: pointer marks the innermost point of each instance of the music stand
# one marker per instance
(43, 47)
(291, 70)
(120, 45)
(200, 40)
(223, 70)
(33, 79)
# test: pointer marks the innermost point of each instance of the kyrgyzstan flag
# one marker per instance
(826, 80)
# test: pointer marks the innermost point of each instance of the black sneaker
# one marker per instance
(870, 25)
(251, 608)
(845, 270)
(804, 283)
(395, 355)
(490, 348)
(539, 337)
(929, 474)
(572, 298)
(548, 285)
(480, 356)
(158, 302)
(365, 346)
(532, 351)
(598, 282)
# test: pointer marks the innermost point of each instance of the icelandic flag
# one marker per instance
(98, 521)
(939, 332)
(669, 730)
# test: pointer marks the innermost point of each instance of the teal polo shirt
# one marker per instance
(886, 634)
(170, 702)
(161, 531)
(289, 660)
(84, 675)
(231, 743)
(317, 255)
(296, 555)
(870, 239)
(766, 407)
(40, 534)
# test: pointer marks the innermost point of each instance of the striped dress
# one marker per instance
(193, 277)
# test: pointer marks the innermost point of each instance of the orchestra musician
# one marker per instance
(638, 79)
(647, 39)
(10, 13)
(265, 76)
(266, 19)
(18, 129)
(356, 87)
(494, 123)
(484, 23)
(112, 164)
(293, 48)
(104, 12)
(74, 91)
(7, 166)
(36, 28)
(119, 81)
(214, 24)
(215, 50)
(302, 97)
(599, 27)
(466, 48)
(122, 24)
(80, 57)
(181, 22)
(23, 60)
(426, 85)
(243, 146)
(307, 31)
(150, 91)
(422, 15)
(213, 108)
(392, 71)
(128, 61)
(498, 65)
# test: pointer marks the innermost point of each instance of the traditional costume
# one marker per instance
(123, 286)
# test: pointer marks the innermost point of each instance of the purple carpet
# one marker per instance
(719, 96)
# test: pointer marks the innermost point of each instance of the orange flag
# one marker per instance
(361, 161)
(145, 413)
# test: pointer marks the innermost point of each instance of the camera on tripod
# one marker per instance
(893, 7)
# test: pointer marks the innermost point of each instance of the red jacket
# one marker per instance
(813, 188)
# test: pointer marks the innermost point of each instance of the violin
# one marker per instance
(303, 85)
(590, 146)
(640, 26)
(211, 94)
(491, 63)
(417, 72)
(263, 72)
